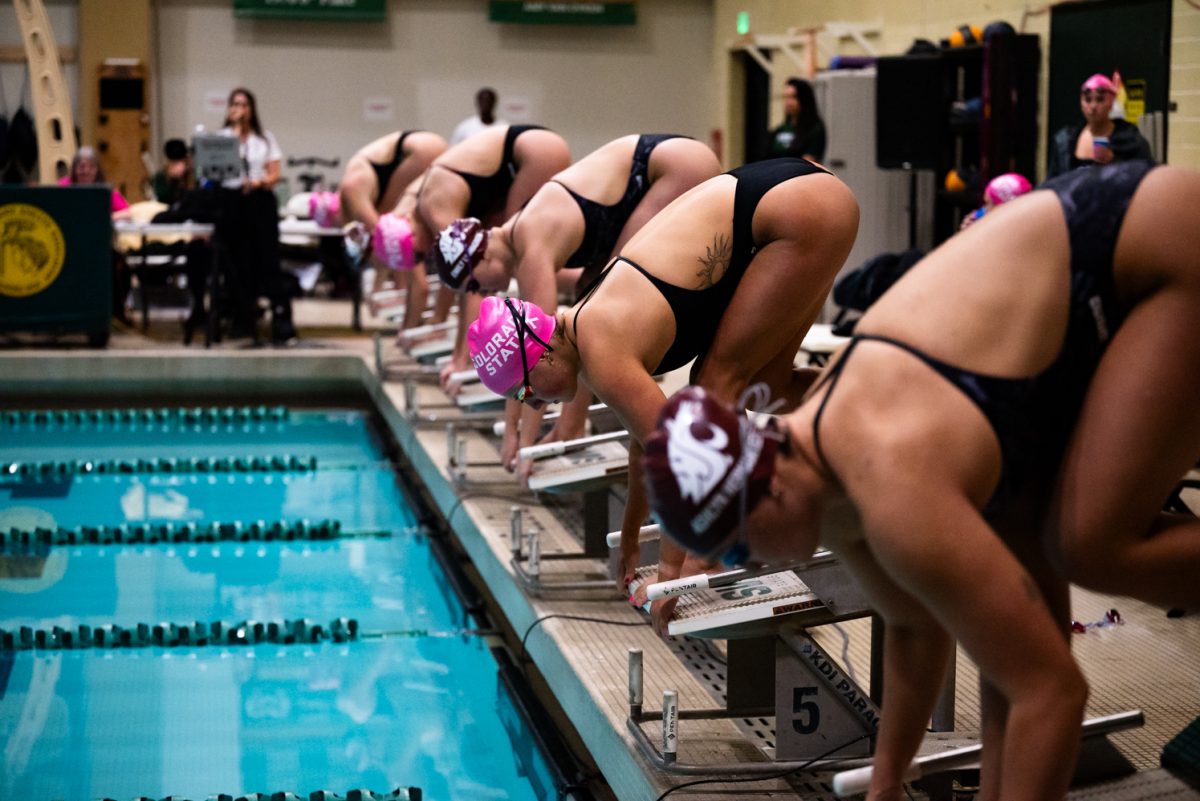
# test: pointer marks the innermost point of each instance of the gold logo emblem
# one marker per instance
(31, 250)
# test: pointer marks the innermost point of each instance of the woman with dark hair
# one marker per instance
(1021, 430)
(250, 223)
(803, 131)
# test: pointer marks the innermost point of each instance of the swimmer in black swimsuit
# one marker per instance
(490, 176)
(742, 264)
(376, 176)
(574, 225)
(374, 184)
(1010, 415)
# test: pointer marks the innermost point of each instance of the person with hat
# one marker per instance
(577, 221)
(1019, 431)
(371, 189)
(488, 176)
(1100, 139)
(728, 277)
(999, 190)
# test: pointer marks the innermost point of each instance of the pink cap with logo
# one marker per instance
(496, 337)
(324, 208)
(392, 242)
(1006, 187)
(1098, 81)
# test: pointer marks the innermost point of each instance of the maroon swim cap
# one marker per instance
(459, 249)
(702, 460)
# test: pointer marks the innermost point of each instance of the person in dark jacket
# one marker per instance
(1099, 140)
(802, 132)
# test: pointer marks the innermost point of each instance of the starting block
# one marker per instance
(1098, 758)
(591, 466)
(816, 704)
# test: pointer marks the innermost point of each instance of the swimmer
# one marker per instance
(1009, 416)
(488, 176)
(730, 275)
(580, 218)
(1000, 190)
(373, 187)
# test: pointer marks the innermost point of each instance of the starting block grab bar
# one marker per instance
(551, 449)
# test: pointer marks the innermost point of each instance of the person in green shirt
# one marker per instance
(802, 132)
(175, 177)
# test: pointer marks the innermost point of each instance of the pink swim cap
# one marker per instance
(1004, 188)
(495, 339)
(460, 248)
(1099, 81)
(392, 241)
(324, 208)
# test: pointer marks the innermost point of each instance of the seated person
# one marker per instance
(1008, 417)
(768, 239)
(86, 171)
(580, 218)
(176, 176)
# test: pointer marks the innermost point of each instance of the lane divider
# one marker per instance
(69, 418)
(173, 635)
(399, 794)
(182, 532)
(51, 470)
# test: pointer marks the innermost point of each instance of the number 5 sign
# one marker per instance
(817, 704)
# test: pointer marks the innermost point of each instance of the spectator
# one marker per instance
(1100, 139)
(485, 102)
(249, 224)
(176, 176)
(86, 171)
(802, 132)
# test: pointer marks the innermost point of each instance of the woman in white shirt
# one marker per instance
(251, 224)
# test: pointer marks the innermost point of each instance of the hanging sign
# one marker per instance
(564, 12)
(343, 10)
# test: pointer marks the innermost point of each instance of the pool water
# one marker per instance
(413, 701)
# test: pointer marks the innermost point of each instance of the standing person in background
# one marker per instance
(1099, 140)
(86, 171)
(485, 103)
(803, 131)
(250, 224)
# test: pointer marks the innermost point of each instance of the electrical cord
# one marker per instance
(523, 658)
(466, 496)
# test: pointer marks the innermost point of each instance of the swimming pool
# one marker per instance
(234, 600)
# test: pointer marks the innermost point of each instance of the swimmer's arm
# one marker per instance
(535, 283)
(636, 399)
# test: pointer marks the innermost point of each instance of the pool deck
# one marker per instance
(1150, 663)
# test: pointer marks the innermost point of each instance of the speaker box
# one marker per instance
(910, 115)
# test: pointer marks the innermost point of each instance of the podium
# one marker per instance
(56, 260)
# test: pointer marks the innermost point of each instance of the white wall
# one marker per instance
(591, 84)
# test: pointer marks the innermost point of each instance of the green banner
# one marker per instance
(564, 12)
(342, 10)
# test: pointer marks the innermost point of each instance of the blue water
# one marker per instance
(414, 702)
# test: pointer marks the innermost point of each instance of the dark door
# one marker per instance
(1132, 37)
